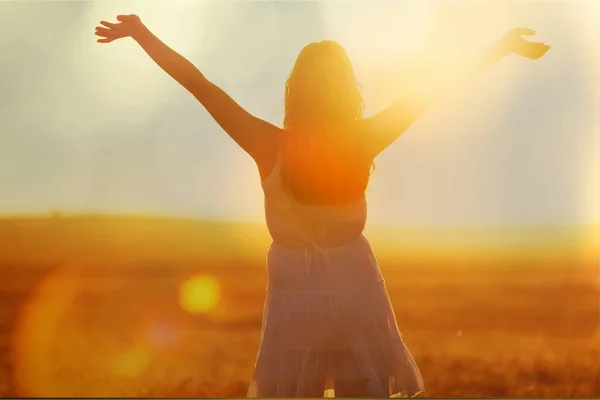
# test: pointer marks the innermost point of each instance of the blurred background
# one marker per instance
(132, 241)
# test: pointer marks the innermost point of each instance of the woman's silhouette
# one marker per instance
(328, 322)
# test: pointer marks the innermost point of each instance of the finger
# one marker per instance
(123, 18)
(541, 46)
(104, 40)
(126, 18)
(525, 31)
(539, 51)
(110, 35)
(544, 49)
(109, 25)
(104, 32)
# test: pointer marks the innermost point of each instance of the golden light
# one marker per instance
(200, 294)
(403, 32)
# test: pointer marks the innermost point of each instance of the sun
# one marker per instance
(200, 294)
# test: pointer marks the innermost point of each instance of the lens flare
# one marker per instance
(76, 328)
(35, 329)
(162, 334)
(200, 294)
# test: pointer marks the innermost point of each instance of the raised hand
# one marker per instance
(128, 26)
(515, 43)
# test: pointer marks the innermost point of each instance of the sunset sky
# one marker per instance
(86, 127)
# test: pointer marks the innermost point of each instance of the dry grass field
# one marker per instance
(145, 307)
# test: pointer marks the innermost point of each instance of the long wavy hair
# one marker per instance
(322, 157)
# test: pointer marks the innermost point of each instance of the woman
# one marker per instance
(328, 325)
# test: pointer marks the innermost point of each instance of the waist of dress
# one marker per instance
(301, 245)
(375, 284)
(342, 268)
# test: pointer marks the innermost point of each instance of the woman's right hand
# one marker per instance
(128, 26)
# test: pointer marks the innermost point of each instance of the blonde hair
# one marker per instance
(322, 158)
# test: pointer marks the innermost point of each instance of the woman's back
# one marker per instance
(316, 246)
(298, 223)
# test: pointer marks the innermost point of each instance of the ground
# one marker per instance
(88, 320)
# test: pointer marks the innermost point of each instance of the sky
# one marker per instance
(90, 128)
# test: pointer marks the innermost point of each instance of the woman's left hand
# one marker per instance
(514, 42)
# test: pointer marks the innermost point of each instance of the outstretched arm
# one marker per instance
(256, 136)
(385, 127)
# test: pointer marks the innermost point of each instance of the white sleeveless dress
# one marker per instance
(328, 325)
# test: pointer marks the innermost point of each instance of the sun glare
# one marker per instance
(200, 294)
(392, 23)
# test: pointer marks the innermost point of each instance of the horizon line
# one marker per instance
(206, 219)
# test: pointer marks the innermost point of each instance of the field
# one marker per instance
(100, 307)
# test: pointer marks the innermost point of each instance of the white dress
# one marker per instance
(328, 325)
